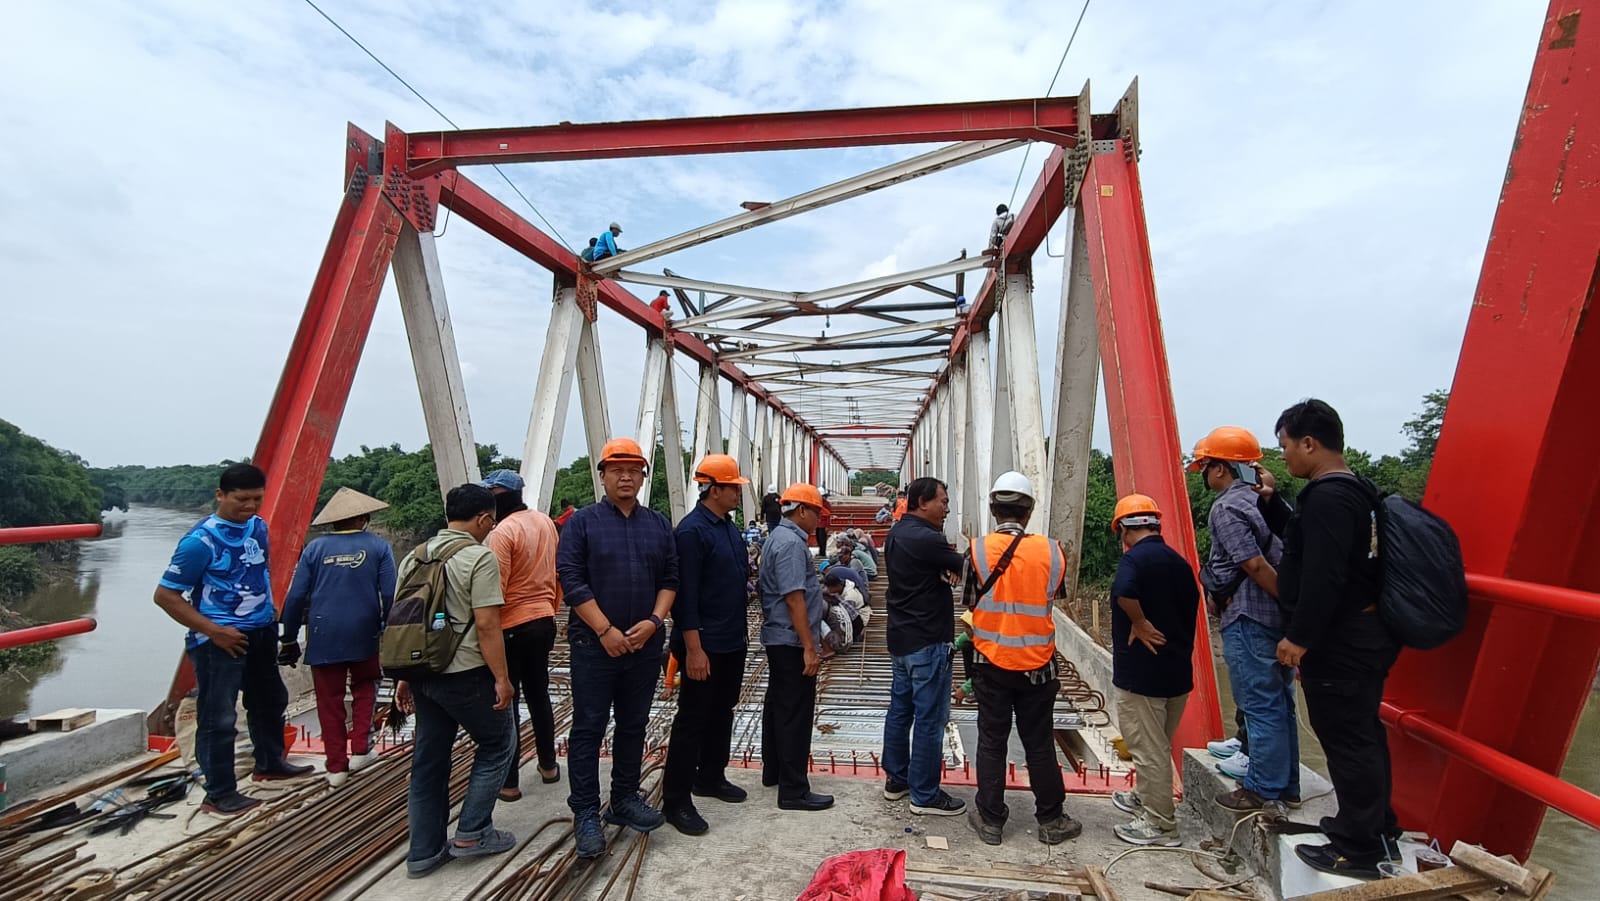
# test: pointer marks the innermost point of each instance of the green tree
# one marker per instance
(41, 486)
(1423, 429)
(862, 481)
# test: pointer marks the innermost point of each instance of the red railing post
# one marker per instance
(17, 638)
(37, 534)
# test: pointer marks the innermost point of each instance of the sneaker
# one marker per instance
(987, 832)
(230, 805)
(1127, 801)
(1058, 830)
(1141, 831)
(416, 869)
(1241, 800)
(284, 770)
(1327, 859)
(631, 811)
(1223, 749)
(362, 761)
(338, 779)
(1236, 766)
(495, 841)
(686, 819)
(586, 829)
(941, 806)
(894, 791)
(1293, 801)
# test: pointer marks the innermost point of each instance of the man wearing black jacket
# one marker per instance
(1328, 584)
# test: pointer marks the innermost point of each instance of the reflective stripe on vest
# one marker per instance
(1012, 624)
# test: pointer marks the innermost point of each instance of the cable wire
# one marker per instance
(440, 113)
(1029, 149)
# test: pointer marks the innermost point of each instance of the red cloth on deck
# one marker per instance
(877, 875)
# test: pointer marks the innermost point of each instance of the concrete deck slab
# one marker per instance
(44, 762)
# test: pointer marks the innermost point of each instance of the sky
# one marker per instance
(1319, 181)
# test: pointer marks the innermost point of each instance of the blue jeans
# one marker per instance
(919, 699)
(1264, 690)
(602, 684)
(219, 678)
(445, 702)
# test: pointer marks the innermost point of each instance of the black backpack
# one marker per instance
(1422, 595)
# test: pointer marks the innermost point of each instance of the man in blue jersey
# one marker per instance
(217, 585)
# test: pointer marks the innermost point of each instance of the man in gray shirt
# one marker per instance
(1244, 557)
(791, 602)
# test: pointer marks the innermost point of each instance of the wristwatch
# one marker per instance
(657, 620)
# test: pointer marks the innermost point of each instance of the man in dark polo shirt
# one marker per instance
(921, 627)
(618, 565)
(709, 635)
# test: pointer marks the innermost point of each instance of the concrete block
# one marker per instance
(39, 764)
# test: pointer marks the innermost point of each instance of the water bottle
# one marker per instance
(438, 622)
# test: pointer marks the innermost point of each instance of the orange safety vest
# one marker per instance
(899, 509)
(1012, 625)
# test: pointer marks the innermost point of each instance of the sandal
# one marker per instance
(552, 777)
(509, 795)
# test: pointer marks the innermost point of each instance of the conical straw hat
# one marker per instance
(345, 504)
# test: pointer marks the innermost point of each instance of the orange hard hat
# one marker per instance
(620, 450)
(801, 493)
(1140, 505)
(719, 469)
(1228, 442)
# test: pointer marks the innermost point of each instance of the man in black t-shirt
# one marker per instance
(1154, 606)
(1328, 586)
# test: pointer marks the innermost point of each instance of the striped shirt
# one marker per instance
(1238, 534)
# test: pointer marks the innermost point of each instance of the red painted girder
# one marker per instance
(467, 199)
(37, 534)
(304, 417)
(1138, 389)
(1514, 471)
(1053, 119)
(16, 638)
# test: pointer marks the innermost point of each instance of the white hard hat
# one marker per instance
(1011, 487)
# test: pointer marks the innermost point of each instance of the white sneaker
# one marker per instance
(1236, 766)
(1127, 801)
(1223, 749)
(337, 779)
(362, 761)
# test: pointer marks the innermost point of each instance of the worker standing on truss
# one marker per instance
(1011, 585)
(709, 634)
(618, 565)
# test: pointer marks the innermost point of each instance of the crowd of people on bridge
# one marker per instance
(469, 619)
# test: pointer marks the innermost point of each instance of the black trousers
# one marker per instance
(1242, 734)
(786, 722)
(822, 540)
(1004, 695)
(702, 730)
(1343, 683)
(528, 647)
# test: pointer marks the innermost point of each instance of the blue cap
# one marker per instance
(503, 478)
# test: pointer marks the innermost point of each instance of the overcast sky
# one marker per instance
(1319, 180)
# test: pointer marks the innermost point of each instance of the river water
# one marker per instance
(128, 662)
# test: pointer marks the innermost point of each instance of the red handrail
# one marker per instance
(1530, 780)
(1536, 596)
(16, 638)
(36, 534)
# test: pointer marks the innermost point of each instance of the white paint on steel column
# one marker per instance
(981, 408)
(592, 397)
(672, 447)
(763, 447)
(740, 447)
(961, 480)
(433, 356)
(705, 412)
(1022, 362)
(655, 373)
(542, 449)
(1076, 381)
(1004, 448)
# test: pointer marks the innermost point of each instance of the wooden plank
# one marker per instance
(1416, 887)
(63, 720)
(1097, 880)
(1547, 880)
(1507, 872)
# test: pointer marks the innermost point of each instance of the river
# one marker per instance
(128, 662)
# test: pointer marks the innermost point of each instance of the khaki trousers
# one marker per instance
(1148, 725)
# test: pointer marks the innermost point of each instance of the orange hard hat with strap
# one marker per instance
(801, 493)
(1012, 625)
(1228, 442)
(1141, 505)
(620, 450)
(719, 469)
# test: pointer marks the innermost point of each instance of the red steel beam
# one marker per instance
(1138, 389)
(471, 202)
(37, 534)
(17, 638)
(1522, 411)
(1053, 119)
(1534, 596)
(303, 420)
